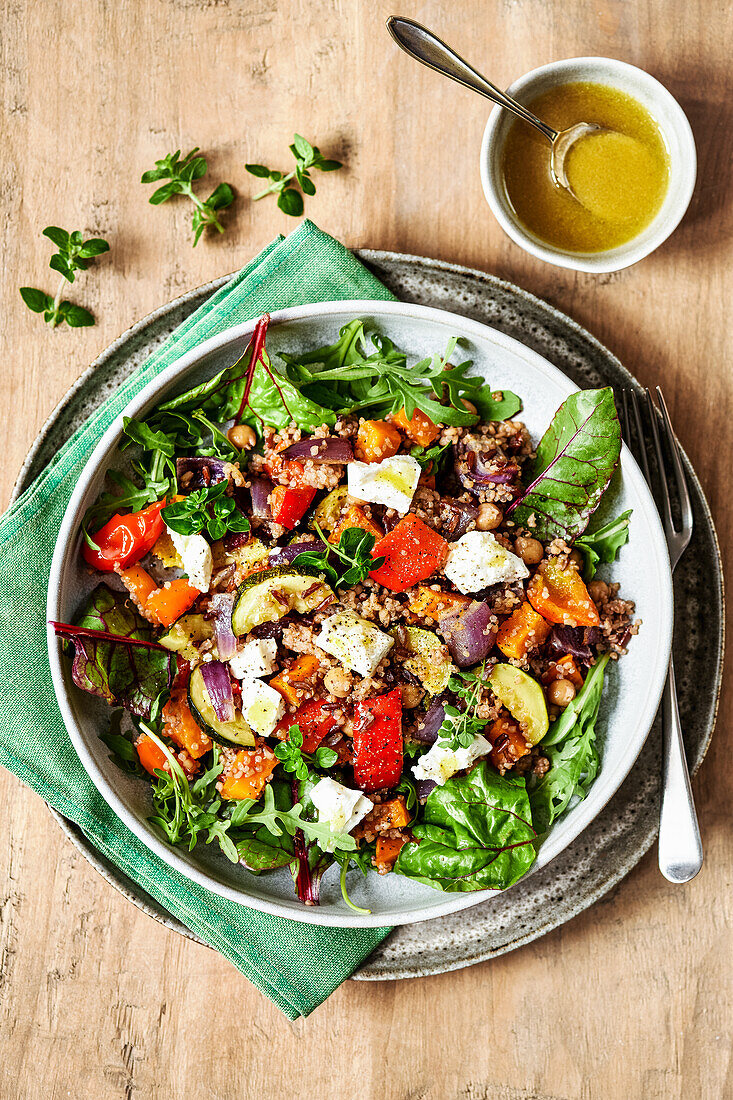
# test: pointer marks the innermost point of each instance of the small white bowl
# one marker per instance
(671, 120)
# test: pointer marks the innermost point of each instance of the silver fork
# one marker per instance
(680, 846)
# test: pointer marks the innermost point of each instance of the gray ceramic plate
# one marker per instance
(621, 834)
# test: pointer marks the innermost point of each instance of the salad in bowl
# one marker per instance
(347, 614)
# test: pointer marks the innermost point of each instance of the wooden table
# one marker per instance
(632, 999)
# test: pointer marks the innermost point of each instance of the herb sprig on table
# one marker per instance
(74, 254)
(181, 174)
(307, 157)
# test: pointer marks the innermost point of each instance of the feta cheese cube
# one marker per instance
(195, 554)
(391, 482)
(478, 560)
(257, 657)
(355, 642)
(262, 706)
(339, 806)
(440, 763)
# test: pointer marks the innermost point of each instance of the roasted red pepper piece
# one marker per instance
(378, 741)
(126, 539)
(412, 552)
(314, 721)
(288, 505)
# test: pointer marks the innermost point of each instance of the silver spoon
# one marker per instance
(424, 46)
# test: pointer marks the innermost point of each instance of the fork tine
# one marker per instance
(669, 526)
(679, 473)
(636, 412)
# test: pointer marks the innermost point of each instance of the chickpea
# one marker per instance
(242, 437)
(337, 681)
(529, 550)
(561, 692)
(411, 695)
(598, 591)
(469, 405)
(489, 517)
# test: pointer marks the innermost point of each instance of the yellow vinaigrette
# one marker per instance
(620, 177)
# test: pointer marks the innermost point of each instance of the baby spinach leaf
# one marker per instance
(503, 406)
(570, 745)
(603, 544)
(476, 834)
(575, 460)
(115, 656)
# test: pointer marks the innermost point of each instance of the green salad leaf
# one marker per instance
(354, 549)
(575, 460)
(115, 656)
(603, 544)
(209, 510)
(293, 759)
(570, 745)
(476, 834)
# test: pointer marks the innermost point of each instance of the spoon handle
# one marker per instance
(424, 46)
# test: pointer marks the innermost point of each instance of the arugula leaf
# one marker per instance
(570, 746)
(122, 750)
(307, 157)
(603, 544)
(431, 459)
(575, 460)
(293, 759)
(279, 821)
(476, 834)
(181, 174)
(496, 408)
(206, 509)
(115, 656)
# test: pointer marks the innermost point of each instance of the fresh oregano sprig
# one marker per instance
(459, 728)
(293, 759)
(205, 509)
(181, 173)
(307, 157)
(74, 254)
(353, 549)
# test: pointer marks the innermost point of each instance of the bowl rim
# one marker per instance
(622, 256)
(69, 530)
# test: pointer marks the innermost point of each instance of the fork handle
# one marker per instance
(680, 847)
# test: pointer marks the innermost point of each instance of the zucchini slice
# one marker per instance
(328, 512)
(187, 630)
(270, 594)
(428, 659)
(523, 698)
(226, 733)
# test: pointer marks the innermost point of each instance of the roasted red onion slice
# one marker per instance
(260, 489)
(203, 471)
(430, 723)
(286, 555)
(575, 640)
(331, 449)
(219, 686)
(477, 470)
(468, 634)
(226, 644)
(423, 788)
(459, 517)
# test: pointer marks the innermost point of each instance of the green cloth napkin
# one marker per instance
(296, 965)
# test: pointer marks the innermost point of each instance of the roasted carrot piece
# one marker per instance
(566, 668)
(168, 603)
(376, 439)
(419, 428)
(523, 631)
(388, 848)
(355, 517)
(138, 583)
(149, 755)
(393, 813)
(559, 595)
(437, 604)
(292, 683)
(260, 763)
(181, 726)
(508, 743)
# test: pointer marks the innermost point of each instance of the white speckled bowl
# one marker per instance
(632, 693)
(671, 120)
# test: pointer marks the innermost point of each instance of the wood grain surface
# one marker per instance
(633, 998)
